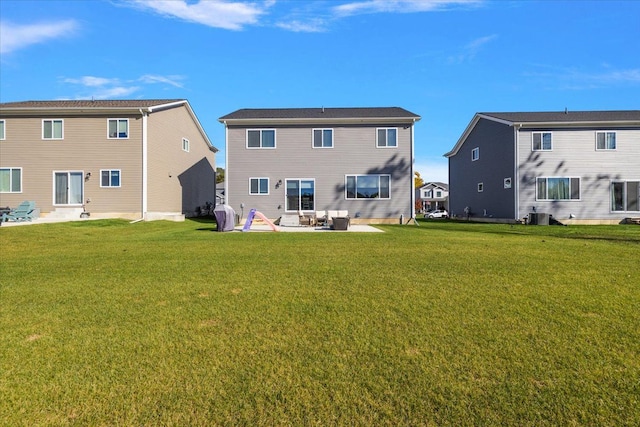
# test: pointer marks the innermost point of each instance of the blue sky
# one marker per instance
(442, 59)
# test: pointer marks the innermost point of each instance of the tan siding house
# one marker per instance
(137, 159)
(309, 160)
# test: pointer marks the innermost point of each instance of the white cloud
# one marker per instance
(399, 6)
(14, 36)
(113, 88)
(114, 92)
(170, 80)
(230, 15)
(471, 49)
(91, 81)
(570, 78)
(312, 26)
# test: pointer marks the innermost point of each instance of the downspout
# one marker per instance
(226, 164)
(145, 163)
(413, 181)
(516, 171)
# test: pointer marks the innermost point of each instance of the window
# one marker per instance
(323, 138)
(480, 187)
(553, 188)
(258, 186)
(438, 194)
(507, 183)
(110, 178)
(52, 129)
(428, 193)
(605, 140)
(185, 145)
(300, 195)
(10, 180)
(368, 187)
(2, 126)
(387, 138)
(261, 138)
(118, 128)
(541, 141)
(475, 154)
(625, 196)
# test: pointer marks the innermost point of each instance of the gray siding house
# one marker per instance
(133, 159)
(578, 166)
(433, 196)
(309, 160)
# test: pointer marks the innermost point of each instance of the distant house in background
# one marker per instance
(135, 159)
(433, 196)
(309, 160)
(578, 166)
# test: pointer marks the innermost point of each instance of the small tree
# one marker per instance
(219, 175)
(417, 179)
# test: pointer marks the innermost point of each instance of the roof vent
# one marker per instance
(323, 108)
(566, 110)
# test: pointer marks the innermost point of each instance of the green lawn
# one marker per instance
(110, 323)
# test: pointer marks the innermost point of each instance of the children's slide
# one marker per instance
(254, 213)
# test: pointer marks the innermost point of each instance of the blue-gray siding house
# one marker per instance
(578, 166)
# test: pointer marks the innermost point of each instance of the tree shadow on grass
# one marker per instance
(614, 233)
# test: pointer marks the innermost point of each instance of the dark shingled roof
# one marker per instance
(569, 116)
(129, 103)
(319, 113)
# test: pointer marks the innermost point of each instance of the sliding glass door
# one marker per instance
(300, 194)
(68, 188)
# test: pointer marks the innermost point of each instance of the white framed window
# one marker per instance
(2, 129)
(605, 141)
(507, 183)
(322, 138)
(557, 188)
(367, 187)
(10, 180)
(475, 154)
(541, 141)
(259, 186)
(480, 187)
(300, 194)
(438, 194)
(186, 146)
(625, 196)
(428, 193)
(261, 138)
(387, 137)
(117, 128)
(53, 129)
(110, 178)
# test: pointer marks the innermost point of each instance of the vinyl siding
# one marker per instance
(354, 152)
(85, 148)
(179, 181)
(496, 144)
(574, 155)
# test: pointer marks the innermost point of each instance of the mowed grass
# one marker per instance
(445, 324)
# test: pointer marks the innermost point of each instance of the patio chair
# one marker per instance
(24, 212)
(321, 218)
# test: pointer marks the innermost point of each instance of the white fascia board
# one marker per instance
(463, 137)
(314, 121)
(600, 123)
